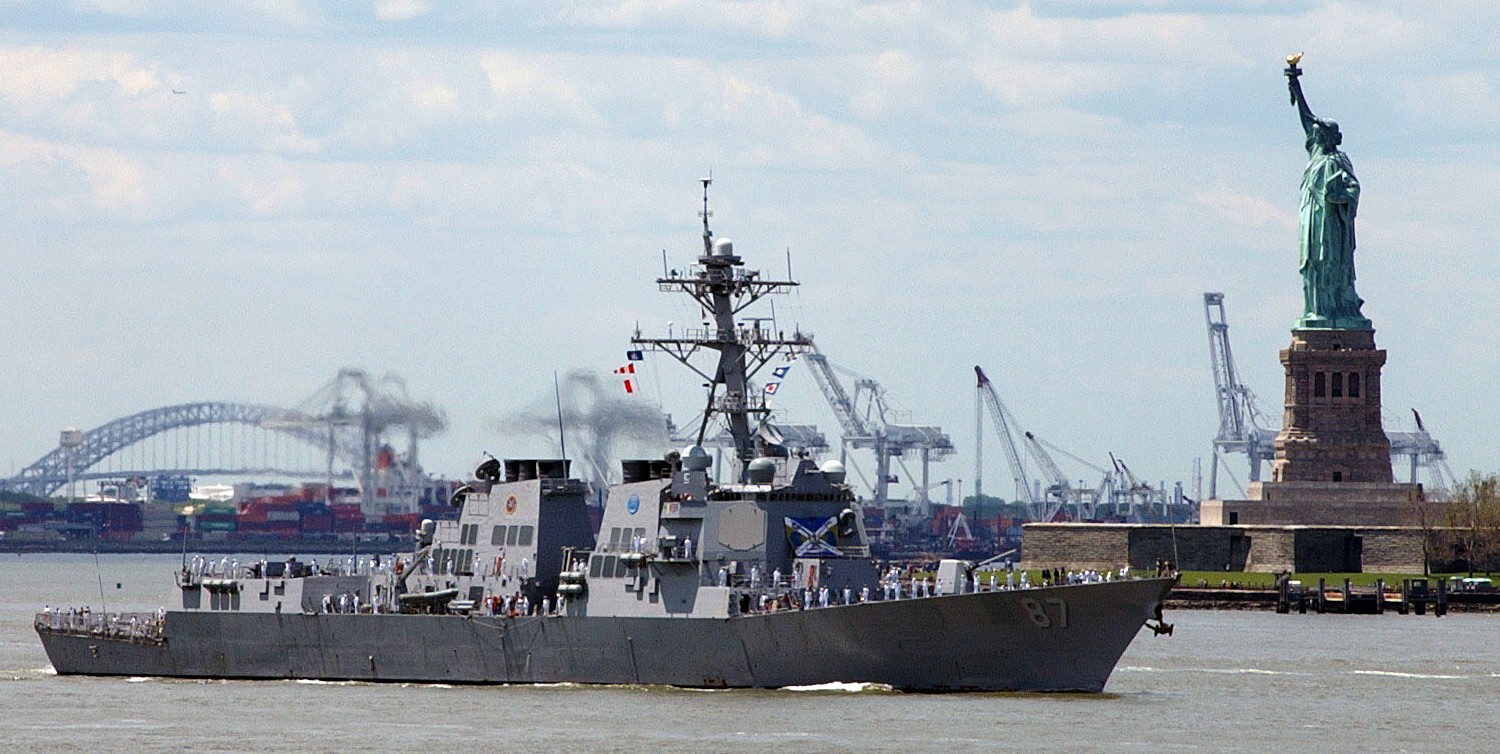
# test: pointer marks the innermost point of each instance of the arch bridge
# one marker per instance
(248, 443)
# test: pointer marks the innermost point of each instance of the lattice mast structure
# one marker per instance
(720, 285)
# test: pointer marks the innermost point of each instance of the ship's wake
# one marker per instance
(843, 688)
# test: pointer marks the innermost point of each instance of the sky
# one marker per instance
(234, 203)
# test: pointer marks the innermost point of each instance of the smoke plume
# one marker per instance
(596, 424)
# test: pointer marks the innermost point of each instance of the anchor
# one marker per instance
(1161, 626)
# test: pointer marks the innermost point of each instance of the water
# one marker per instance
(1226, 682)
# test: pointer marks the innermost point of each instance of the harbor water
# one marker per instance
(1227, 681)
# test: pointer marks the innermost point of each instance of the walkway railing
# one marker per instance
(145, 627)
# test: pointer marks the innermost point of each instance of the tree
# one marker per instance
(1474, 522)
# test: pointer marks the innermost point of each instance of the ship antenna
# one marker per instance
(562, 443)
(708, 235)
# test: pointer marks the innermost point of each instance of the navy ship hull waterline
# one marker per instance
(1065, 638)
(763, 580)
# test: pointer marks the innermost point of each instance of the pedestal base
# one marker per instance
(1325, 504)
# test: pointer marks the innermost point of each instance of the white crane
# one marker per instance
(868, 422)
(1003, 420)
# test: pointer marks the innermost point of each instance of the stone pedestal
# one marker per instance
(1331, 431)
(1332, 463)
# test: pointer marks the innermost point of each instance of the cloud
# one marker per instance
(775, 19)
(37, 78)
(266, 114)
(527, 88)
(1243, 209)
(1463, 100)
(76, 182)
(401, 10)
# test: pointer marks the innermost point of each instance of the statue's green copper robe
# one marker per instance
(1330, 198)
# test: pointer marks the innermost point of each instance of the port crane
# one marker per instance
(1003, 420)
(868, 421)
(1240, 430)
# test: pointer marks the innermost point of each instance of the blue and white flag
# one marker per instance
(780, 372)
(807, 540)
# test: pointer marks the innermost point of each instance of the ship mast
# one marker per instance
(723, 290)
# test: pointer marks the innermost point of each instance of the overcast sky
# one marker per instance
(475, 194)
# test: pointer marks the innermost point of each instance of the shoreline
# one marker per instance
(1199, 598)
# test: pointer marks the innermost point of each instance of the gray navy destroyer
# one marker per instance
(765, 581)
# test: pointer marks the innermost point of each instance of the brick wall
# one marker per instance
(1265, 549)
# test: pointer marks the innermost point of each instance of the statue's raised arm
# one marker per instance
(1292, 74)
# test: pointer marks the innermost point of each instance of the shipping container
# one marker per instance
(317, 522)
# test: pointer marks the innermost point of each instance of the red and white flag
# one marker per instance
(627, 369)
(629, 387)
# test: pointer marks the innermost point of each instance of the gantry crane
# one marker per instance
(869, 422)
(1239, 430)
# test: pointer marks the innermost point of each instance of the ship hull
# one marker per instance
(1065, 638)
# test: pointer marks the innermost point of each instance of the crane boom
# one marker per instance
(833, 391)
(1000, 416)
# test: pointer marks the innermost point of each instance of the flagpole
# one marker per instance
(557, 392)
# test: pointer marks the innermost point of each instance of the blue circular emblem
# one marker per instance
(633, 504)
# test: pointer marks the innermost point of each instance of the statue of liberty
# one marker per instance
(1330, 198)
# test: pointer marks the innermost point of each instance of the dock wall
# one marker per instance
(1306, 549)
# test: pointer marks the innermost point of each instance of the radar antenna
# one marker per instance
(708, 235)
(723, 289)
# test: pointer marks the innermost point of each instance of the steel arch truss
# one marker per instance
(50, 472)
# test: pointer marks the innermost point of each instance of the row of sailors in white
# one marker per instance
(896, 586)
(1090, 577)
(821, 597)
(520, 604)
(755, 574)
(347, 602)
(84, 619)
(683, 551)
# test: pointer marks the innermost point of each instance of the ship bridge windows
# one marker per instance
(626, 539)
(607, 567)
(454, 561)
(468, 534)
(505, 536)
